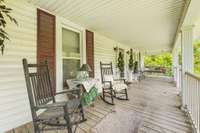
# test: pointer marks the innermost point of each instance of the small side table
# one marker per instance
(90, 89)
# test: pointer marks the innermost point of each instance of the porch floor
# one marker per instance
(154, 99)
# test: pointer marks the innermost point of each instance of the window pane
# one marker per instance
(70, 69)
(70, 43)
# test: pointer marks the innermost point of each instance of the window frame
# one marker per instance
(63, 23)
(80, 45)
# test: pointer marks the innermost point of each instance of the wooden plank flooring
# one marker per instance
(155, 100)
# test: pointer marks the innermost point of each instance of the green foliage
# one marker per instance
(120, 63)
(131, 62)
(179, 57)
(161, 60)
(196, 45)
(4, 12)
(165, 59)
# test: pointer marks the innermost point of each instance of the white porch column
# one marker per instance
(187, 57)
(142, 61)
(176, 67)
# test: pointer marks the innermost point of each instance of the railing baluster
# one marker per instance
(198, 106)
(187, 91)
(191, 95)
(196, 102)
(192, 99)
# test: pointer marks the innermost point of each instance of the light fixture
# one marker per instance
(116, 48)
(85, 67)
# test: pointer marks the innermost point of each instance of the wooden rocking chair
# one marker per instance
(55, 115)
(112, 88)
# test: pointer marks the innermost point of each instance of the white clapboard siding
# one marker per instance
(104, 52)
(14, 105)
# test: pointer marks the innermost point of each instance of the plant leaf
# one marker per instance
(4, 12)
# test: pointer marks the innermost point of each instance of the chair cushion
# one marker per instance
(119, 86)
(56, 112)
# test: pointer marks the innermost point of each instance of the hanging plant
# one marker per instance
(4, 13)
(131, 62)
(120, 64)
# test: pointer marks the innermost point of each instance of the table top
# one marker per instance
(87, 84)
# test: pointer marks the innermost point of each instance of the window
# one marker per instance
(70, 53)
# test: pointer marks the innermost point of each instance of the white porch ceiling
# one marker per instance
(145, 24)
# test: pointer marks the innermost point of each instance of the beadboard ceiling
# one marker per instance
(145, 24)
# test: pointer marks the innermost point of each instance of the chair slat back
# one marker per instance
(106, 69)
(38, 82)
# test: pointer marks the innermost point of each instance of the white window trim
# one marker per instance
(80, 42)
(63, 23)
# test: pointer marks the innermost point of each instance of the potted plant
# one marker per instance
(4, 12)
(120, 64)
(131, 65)
(136, 67)
(131, 62)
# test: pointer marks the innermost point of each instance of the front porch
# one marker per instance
(71, 33)
(154, 100)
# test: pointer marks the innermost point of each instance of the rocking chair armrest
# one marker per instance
(69, 91)
(52, 105)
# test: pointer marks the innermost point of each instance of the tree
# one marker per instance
(120, 64)
(4, 12)
(131, 62)
(196, 45)
(161, 60)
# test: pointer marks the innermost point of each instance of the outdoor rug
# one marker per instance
(119, 121)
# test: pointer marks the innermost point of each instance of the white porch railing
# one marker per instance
(192, 98)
